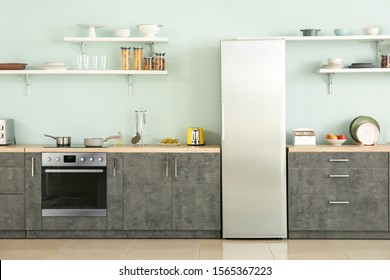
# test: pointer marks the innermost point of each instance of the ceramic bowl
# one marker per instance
(336, 142)
(341, 32)
(334, 61)
(149, 30)
(371, 30)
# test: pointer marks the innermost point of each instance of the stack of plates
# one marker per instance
(332, 66)
(54, 66)
(361, 65)
(364, 130)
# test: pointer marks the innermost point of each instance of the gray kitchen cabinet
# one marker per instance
(347, 193)
(114, 191)
(172, 191)
(12, 191)
(147, 192)
(33, 191)
(196, 193)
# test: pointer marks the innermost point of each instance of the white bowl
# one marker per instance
(122, 32)
(371, 30)
(336, 142)
(335, 61)
(149, 30)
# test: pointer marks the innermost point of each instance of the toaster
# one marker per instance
(195, 136)
(7, 132)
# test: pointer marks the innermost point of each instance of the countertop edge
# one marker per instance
(114, 149)
(334, 148)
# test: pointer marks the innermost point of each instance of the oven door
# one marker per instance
(74, 191)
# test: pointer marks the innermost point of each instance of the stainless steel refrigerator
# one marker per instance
(254, 203)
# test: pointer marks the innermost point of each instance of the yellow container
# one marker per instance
(195, 136)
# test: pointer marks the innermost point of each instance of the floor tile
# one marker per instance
(314, 250)
(246, 250)
(366, 249)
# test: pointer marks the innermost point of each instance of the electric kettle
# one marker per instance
(195, 136)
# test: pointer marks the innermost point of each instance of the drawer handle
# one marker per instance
(339, 159)
(338, 175)
(339, 202)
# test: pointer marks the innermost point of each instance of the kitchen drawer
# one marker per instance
(11, 160)
(341, 181)
(315, 212)
(338, 160)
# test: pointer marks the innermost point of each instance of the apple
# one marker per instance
(341, 137)
(331, 136)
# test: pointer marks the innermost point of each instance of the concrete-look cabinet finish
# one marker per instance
(173, 193)
(12, 213)
(338, 195)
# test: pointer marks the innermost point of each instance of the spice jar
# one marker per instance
(159, 61)
(125, 58)
(148, 63)
(137, 58)
(385, 61)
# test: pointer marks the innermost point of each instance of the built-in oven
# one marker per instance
(74, 184)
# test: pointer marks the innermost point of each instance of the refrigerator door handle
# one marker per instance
(223, 121)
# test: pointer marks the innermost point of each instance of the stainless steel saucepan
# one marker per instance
(61, 141)
(98, 142)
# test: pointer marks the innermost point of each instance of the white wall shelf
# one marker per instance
(129, 73)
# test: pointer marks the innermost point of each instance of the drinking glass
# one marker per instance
(103, 62)
(80, 62)
(94, 62)
(85, 61)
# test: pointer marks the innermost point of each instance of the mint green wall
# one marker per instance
(98, 106)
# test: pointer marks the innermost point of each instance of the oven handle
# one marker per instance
(74, 170)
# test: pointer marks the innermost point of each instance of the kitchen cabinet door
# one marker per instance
(114, 191)
(196, 203)
(11, 173)
(33, 192)
(12, 212)
(147, 191)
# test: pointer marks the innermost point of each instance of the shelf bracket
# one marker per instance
(130, 85)
(27, 78)
(330, 83)
(153, 45)
(83, 47)
(378, 49)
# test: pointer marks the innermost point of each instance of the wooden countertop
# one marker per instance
(333, 148)
(114, 149)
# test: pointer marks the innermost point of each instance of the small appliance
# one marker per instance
(7, 132)
(195, 136)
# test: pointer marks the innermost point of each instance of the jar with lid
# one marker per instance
(125, 58)
(159, 61)
(385, 61)
(148, 63)
(137, 58)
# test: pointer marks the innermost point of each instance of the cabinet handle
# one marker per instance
(175, 167)
(338, 159)
(338, 175)
(339, 202)
(32, 167)
(114, 168)
(166, 167)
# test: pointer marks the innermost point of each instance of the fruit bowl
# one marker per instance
(336, 142)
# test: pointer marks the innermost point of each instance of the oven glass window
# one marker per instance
(74, 188)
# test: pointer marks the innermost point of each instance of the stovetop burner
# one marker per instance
(76, 146)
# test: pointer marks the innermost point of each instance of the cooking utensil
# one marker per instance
(98, 142)
(135, 139)
(61, 141)
(310, 32)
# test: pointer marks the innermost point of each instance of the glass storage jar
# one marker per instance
(159, 61)
(125, 58)
(385, 61)
(137, 58)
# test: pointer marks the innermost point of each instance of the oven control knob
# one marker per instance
(82, 159)
(1, 135)
(91, 159)
(48, 159)
(57, 159)
(1, 127)
(100, 159)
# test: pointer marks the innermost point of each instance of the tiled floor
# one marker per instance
(193, 249)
